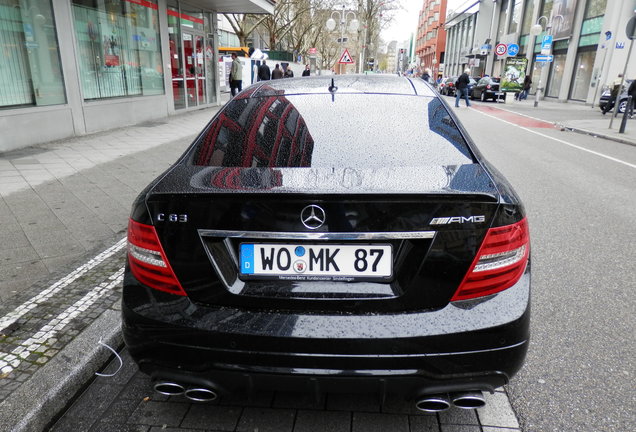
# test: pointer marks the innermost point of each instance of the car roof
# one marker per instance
(353, 83)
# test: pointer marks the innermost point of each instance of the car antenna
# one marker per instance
(332, 89)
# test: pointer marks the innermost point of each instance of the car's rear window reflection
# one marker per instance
(346, 130)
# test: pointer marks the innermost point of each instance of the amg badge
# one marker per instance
(457, 219)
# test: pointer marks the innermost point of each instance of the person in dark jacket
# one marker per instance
(426, 76)
(632, 92)
(277, 73)
(263, 72)
(307, 71)
(461, 86)
(527, 83)
(289, 73)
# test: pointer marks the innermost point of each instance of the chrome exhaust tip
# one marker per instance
(469, 400)
(433, 403)
(169, 388)
(201, 394)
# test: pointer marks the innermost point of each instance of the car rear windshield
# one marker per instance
(321, 130)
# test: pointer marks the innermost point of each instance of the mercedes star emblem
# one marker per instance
(312, 216)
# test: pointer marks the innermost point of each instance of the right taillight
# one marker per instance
(500, 262)
(148, 262)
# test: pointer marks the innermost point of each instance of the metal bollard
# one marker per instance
(625, 114)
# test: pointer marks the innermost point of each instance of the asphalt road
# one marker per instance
(580, 195)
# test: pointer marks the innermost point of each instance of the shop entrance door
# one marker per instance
(194, 69)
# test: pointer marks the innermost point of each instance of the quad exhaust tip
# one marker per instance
(469, 400)
(442, 402)
(433, 403)
(169, 388)
(197, 394)
(201, 394)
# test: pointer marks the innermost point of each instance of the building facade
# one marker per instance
(589, 42)
(72, 67)
(431, 36)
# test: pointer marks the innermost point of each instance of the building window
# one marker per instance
(515, 16)
(595, 8)
(556, 75)
(503, 17)
(119, 49)
(582, 74)
(30, 70)
(528, 10)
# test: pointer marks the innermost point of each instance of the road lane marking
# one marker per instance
(43, 296)
(37, 343)
(517, 118)
(561, 141)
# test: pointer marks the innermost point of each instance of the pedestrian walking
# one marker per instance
(632, 92)
(616, 89)
(527, 83)
(307, 71)
(277, 73)
(461, 88)
(426, 76)
(264, 73)
(236, 75)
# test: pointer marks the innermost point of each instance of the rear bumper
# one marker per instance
(478, 345)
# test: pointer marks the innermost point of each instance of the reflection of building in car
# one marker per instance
(238, 178)
(275, 133)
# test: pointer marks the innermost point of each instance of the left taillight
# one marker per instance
(500, 262)
(148, 262)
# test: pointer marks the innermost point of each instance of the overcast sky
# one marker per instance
(405, 21)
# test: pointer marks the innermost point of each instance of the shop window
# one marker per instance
(119, 50)
(30, 70)
(582, 74)
(556, 75)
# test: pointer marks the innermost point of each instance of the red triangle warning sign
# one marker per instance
(346, 57)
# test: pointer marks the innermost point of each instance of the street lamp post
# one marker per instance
(343, 17)
(535, 30)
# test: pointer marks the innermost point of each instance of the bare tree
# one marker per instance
(244, 25)
(375, 15)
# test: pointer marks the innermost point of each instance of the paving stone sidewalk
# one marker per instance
(64, 200)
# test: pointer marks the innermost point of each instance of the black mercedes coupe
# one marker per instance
(326, 234)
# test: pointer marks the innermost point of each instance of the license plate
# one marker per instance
(316, 262)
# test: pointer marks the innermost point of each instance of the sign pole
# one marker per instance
(618, 96)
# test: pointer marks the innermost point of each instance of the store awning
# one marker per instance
(239, 6)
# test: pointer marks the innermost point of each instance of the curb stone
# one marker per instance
(39, 400)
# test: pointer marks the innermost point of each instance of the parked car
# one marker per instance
(447, 86)
(308, 240)
(487, 88)
(622, 99)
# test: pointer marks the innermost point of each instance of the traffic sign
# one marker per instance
(501, 49)
(513, 49)
(345, 58)
(546, 45)
(544, 58)
(313, 50)
(630, 30)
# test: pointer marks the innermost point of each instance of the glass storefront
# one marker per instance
(582, 74)
(30, 70)
(556, 75)
(119, 50)
(191, 56)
